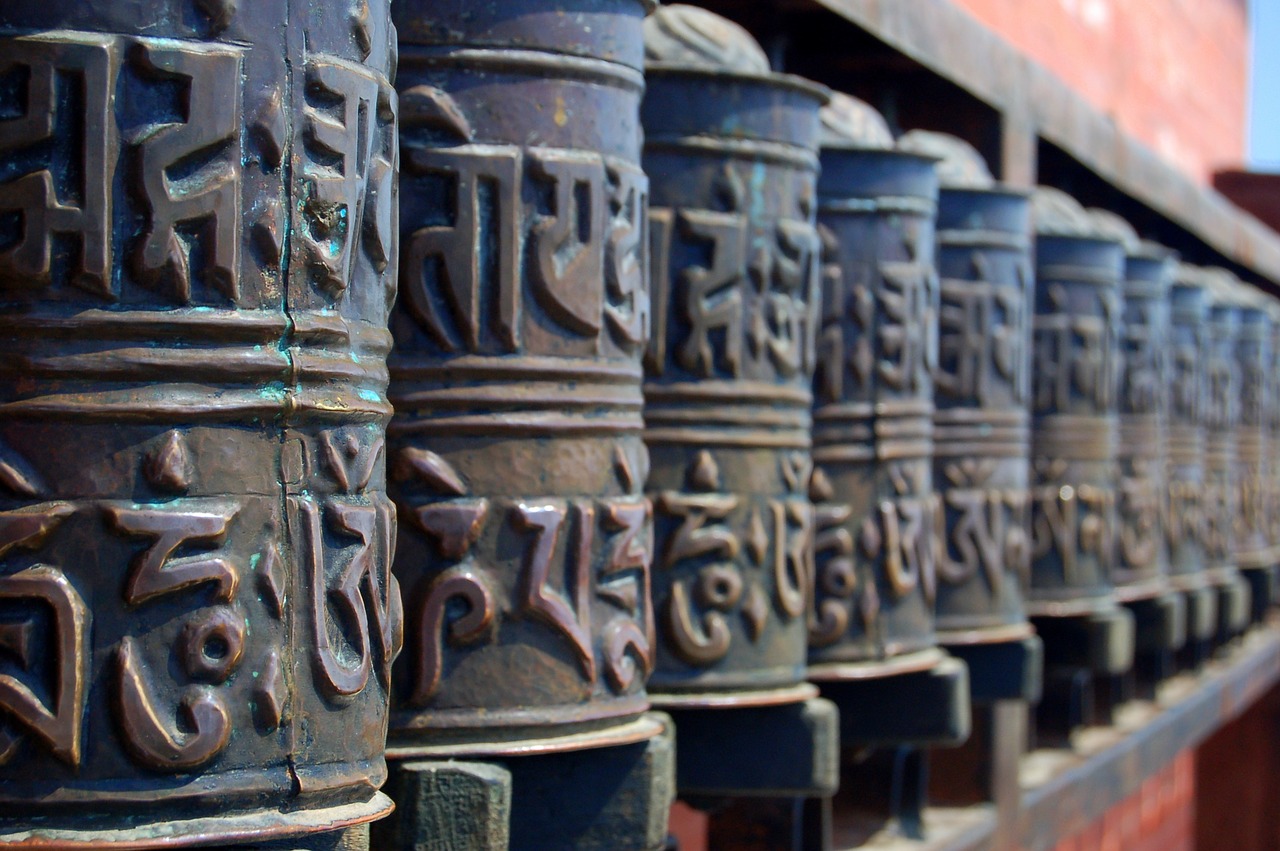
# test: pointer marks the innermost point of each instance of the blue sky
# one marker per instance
(1264, 108)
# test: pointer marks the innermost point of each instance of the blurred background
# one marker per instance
(1264, 88)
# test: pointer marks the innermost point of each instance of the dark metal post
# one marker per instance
(1076, 366)
(730, 149)
(196, 257)
(516, 454)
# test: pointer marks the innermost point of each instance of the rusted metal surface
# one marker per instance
(1075, 371)
(873, 409)
(516, 453)
(197, 621)
(981, 390)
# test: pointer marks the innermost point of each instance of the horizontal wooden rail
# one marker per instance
(950, 42)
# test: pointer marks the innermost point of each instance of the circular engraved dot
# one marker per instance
(211, 646)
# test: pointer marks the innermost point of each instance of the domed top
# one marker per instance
(960, 166)
(687, 35)
(1227, 288)
(850, 123)
(1223, 286)
(1188, 275)
(1116, 227)
(1058, 214)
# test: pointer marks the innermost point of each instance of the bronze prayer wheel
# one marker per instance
(1188, 352)
(1221, 422)
(730, 150)
(1141, 553)
(1075, 371)
(1254, 359)
(1223, 416)
(873, 406)
(197, 621)
(516, 453)
(981, 387)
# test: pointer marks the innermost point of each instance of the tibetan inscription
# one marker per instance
(517, 464)
(876, 571)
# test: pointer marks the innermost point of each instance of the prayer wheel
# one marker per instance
(1141, 552)
(197, 620)
(1221, 425)
(731, 154)
(1253, 549)
(873, 407)
(1253, 353)
(1221, 421)
(1184, 507)
(981, 386)
(516, 453)
(1075, 371)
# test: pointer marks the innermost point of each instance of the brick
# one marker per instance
(1149, 811)
(689, 827)
(1111, 838)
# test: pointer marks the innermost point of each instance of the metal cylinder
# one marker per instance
(1188, 351)
(730, 150)
(516, 453)
(1075, 371)
(873, 407)
(197, 622)
(1221, 422)
(1141, 552)
(981, 387)
(1252, 460)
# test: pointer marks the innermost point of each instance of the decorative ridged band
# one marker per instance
(1075, 437)
(206, 365)
(728, 413)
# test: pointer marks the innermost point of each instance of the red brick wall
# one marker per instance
(1160, 816)
(1238, 782)
(1173, 73)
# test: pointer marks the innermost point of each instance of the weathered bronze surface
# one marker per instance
(1075, 371)
(1141, 551)
(1253, 458)
(1221, 421)
(730, 149)
(981, 388)
(516, 453)
(196, 617)
(873, 407)
(1187, 376)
